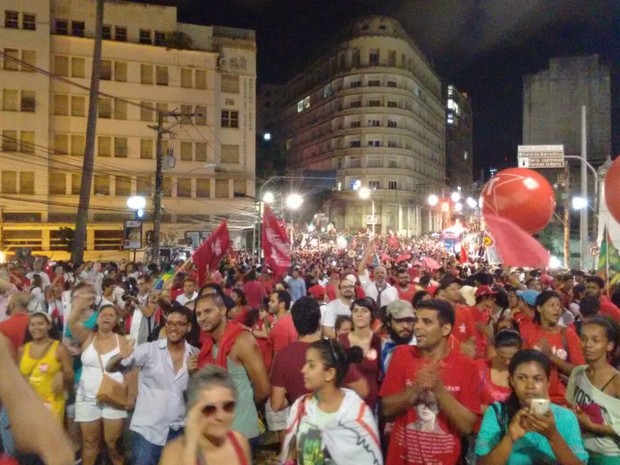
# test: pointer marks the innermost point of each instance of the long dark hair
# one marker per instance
(334, 355)
(612, 332)
(512, 404)
(53, 333)
(542, 298)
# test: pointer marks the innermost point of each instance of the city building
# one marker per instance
(370, 109)
(552, 101)
(459, 142)
(205, 75)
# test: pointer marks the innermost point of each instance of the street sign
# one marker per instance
(540, 156)
(132, 237)
(594, 250)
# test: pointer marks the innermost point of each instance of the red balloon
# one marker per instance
(612, 189)
(522, 195)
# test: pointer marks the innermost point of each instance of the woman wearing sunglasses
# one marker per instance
(208, 439)
(331, 424)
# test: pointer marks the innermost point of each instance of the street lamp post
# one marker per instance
(364, 194)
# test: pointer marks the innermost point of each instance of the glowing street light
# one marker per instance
(455, 196)
(268, 197)
(471, 202)
(294, 201)
(458, 207)
(579, 203)
(433, 200)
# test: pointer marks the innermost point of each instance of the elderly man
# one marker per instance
(379, 289)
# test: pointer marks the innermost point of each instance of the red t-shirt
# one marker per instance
(368, 367)
(331, 291)
(489, 392)
(15, 329)
(254, 293)
(406, 295)
(480, 315)
(564, 344)
(282, 333)
(286, 371)
(609, 309)
(463, 323)
(428, 440)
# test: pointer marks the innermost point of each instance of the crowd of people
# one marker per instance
(360, 356)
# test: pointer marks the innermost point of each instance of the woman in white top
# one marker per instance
(96, 420)
(594, 391)
(37, 296)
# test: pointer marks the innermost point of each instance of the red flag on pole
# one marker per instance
(211, 251)
(463, 257)
(515, 246)
(276, 246)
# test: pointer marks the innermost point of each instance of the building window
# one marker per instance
(374, 162)
(9, 100)
(61, 144)
(61, 105)
(184, 187)
(391, 57)
(61, 65)
(373, 57)
(145, 37)
(221, 188)
(392, 144)
(201, 79)
(201, 115)
(57, 183)
(62, 27)
(356, 59)
(160, 38)
(356, 84)
(26, 182)
(120, 33)
(356, 104)
(78, 107)
(374, 185)
(230, 154)
(374, 103)
(9, 140)
(106, 32)
(201, 151)
(146, 149)
(28, 101)
(104, 108)
(11, 59)
(144, 186)
(120, 71)
(26, 142)
(106, 70)
(120, 147)
(77, 28)
(78, 145)
(392, 185)
(146, 112)
(146, 74)
(76, 183)
(9, 182)
(123, 186)
(392, 104)
(161, 73)
(186, 111)
(120, 109)
(101, 184)
(230, 84)
(78, 67)
(391, 84)
(355, 124)
(104, 146)
(167, 187)
(186, 151)
(374, 83)
(239, 188)
(230, 119)
(392, 163)
(29, 21)
(355, 143)
(374, 122)
(203, 187)
(374, 143)
(11, 19)
(29, 60)
(392, 124)
(187, 78)
(355, 162)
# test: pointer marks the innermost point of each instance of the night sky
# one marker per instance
(483, 46)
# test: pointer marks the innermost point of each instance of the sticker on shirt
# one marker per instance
(43, 368)
(371, 354)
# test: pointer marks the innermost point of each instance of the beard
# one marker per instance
(398, 339)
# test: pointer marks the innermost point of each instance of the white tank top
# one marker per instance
(91, 370)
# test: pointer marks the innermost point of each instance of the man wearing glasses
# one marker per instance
(164, 367)
(337, 307)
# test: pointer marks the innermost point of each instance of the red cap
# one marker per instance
(484, 290)
(317, 291)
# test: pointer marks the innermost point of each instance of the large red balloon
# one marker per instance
(522, 195)
(612, 189)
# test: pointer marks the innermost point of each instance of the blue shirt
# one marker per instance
(532, 448)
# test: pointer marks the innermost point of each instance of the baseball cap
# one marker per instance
(484, 290)
(529, 296)
(317, 291)
(400, 309)
(546, 280)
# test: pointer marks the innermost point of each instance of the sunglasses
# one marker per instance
(210, 409)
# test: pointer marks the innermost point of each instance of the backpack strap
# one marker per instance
(500, 416)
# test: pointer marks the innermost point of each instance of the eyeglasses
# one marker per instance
(347, 287)
(227, 407)
(175, 324)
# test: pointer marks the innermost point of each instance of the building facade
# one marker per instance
(459, 142)
(552, 101)
(150, 62)
(371, 110)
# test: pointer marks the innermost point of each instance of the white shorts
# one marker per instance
(276, 421)
(88, 409)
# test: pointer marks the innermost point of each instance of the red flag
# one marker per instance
(276, 246)
(211, 251)
(515, 246)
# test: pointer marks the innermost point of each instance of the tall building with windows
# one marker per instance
(459, 142)
(150, 62)
(371, 109)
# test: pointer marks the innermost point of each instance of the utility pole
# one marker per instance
(583, 223)
(81, 220)
(159, 177)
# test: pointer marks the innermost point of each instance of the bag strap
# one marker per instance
(499, 417)
(98, 355)
(39, 359)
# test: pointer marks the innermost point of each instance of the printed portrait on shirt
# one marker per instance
(426, 410)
